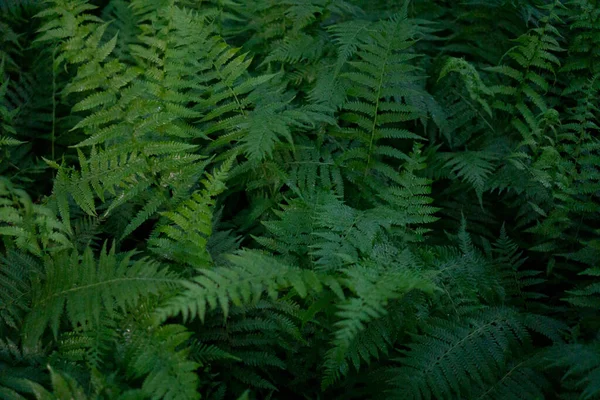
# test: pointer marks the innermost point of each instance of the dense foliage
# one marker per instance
(300, 199)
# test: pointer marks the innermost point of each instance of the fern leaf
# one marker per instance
(474, 167)
(251, 276)
(448, 359)
(373, 289)
(108, 284)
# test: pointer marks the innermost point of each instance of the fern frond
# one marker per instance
(465, 274)
(535, 51)
(145, 149)
(586, 294)
(581, 363)
(250, 276)
(90, 345)
(32, 227)
(410, 200)
(521, 379)
(461, 109)
(15, 287)
(583, 23)
(124, 23)
(255, 336)
(203, 353)
(518, 283)
(449, 359)
(298, 48)
(473, 83)
(160, 356)
(347, 36)
(311, 170)
(20, 370)
(343, 234)
(291, 233)
(474, 167)
(63, 386)
(378, 99)
(113, 282)
(184, 240)
(372, 289)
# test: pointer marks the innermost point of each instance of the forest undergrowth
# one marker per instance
(300, 199)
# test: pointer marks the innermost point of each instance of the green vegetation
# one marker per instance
(300, 199)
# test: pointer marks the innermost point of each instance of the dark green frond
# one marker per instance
(84, 288)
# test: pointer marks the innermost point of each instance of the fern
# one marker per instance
(312, 169)
(474, 167)
(251, 276)
(167, 371)
(15, 288)
(373, 289)
(455, 357)
(382, 72)
(33, 227)
(409, 201)
(520, 380)
(251, 342)
(292, 234)
(344, 235)
(586, 296)
(482, 30)
(464, 110)
(6, 115)
(185, 239)
(473, 83)
(95, 285)
(583, 17)
(64, 386)
(582, 364)
(20, 370)
(465, 275)
(90, 345)
(305, 199)
(535, 55)
(151, 154)
(517, 283)
(329, 88)
(123, 26)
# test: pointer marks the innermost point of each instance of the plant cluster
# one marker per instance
(300, 199)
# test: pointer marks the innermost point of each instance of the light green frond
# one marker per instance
(184, 239)
(251, 276)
